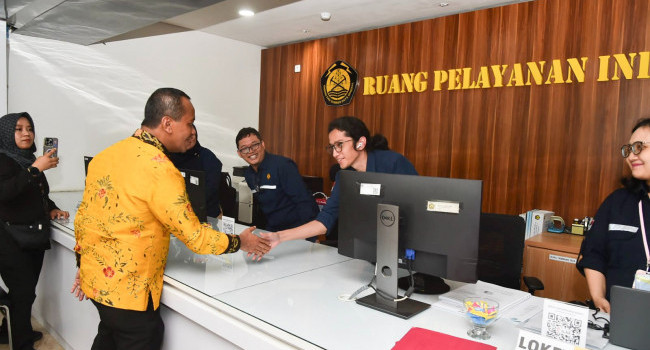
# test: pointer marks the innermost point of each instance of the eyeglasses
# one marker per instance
(337, 146)
(634, 147)
(252, 148)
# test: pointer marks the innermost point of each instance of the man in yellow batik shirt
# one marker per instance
(133, 200)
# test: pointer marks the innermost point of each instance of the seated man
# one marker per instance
(198, 157)
(276, 184)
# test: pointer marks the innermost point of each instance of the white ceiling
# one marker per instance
(279, 22)
(276, 22)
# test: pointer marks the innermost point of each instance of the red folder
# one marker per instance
(423, 339)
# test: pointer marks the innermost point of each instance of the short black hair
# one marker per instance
(164, 101)
(245, 132)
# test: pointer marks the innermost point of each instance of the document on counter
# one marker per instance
(506, 297)
(424, 339)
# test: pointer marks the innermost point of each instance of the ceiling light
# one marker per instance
(325, 16)
(246, 13)
(443, 4)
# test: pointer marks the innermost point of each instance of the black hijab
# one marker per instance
(24, 157)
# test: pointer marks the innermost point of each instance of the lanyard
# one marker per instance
(645, 239)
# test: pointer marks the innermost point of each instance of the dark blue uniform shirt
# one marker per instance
(281, 192)
(614, 245)
(378, 162)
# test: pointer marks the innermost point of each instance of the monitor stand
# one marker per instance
(424, 284)
(386, 275)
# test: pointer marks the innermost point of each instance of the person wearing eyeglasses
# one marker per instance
(613, 251)
(353, 148)
(276, 183)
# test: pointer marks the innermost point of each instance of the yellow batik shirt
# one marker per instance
(134, 198)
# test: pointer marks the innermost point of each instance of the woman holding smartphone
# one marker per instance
(24, 200)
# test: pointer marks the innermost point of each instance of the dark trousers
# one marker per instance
(121, 329)
(19, 270)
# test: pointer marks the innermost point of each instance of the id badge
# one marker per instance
(641, 280)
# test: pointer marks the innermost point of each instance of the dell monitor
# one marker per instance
(382, 216)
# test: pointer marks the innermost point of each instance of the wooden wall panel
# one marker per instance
(541, 146)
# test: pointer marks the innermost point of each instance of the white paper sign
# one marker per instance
(370, 189)
(565, 322)
(194, 180)
(443, 207)
(528, 340)
(228, 225)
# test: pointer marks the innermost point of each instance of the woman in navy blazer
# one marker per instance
(353, 148)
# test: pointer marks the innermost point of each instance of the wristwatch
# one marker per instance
(33, 171)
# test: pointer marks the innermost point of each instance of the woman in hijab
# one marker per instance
(23, 200)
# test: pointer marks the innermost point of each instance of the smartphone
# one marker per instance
(49, 143)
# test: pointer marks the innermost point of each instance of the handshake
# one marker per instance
(258, 246)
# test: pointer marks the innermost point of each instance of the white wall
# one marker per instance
(93, 96)
(3, 68)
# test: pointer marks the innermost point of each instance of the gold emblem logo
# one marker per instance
(268, 176)
(338, 84)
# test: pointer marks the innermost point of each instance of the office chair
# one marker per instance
(4, 309)
(501, 252)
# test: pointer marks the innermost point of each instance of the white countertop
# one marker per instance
(296, 289)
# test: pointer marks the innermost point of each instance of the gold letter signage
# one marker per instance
(633, 65)
(338, 84)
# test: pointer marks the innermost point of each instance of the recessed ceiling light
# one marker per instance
(325, 16)
(305, 31)
(246, 13)
(443, 4)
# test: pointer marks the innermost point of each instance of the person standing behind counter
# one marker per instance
(24, 199)
(133, 200)
(200, 158)
(353, 148)
(275, 183)
(613, 250)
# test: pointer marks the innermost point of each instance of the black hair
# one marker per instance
(244, 132)
(163, 102)
(631, 183)
(356, 128)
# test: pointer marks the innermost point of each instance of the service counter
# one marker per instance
(289, 299)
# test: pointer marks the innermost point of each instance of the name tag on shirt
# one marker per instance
(626, 228)
(268, 187)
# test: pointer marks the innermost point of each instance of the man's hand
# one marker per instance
(76, 288)
(253, 245)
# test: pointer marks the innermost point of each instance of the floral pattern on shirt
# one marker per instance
(123, 223)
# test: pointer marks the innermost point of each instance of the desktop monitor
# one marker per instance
(438, 218)
(195, 187)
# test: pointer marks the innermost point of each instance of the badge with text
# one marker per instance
(338, 84)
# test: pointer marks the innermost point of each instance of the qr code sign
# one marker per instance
(563, 328)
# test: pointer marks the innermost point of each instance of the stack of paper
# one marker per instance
(506, 297)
